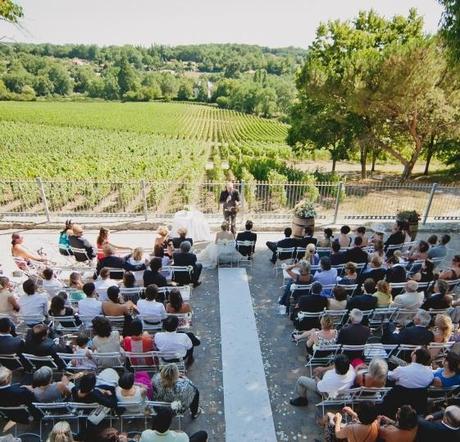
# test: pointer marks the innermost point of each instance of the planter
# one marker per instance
(413, 229)
(299, 224)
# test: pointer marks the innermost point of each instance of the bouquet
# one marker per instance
(305, 209)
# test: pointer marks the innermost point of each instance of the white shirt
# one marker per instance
(409, 301)
(52, 287)
(168, 436)
(173, 342)
(102, 285)
(151, 309)
(412, 376)
(33, 305)
(90, 307)
(333, 382)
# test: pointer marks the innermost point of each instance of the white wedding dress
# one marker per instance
(222, 249)
(195, 223)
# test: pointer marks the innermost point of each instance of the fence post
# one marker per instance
(430, 200)
(41, 187)
(243, 200)
(144, 198)
(337, 201)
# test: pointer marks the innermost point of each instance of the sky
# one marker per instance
(273, 23)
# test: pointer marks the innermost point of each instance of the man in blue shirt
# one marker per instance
(439, 251)
(326, 276)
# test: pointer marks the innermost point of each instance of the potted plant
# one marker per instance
(304, 216)
(411, 217)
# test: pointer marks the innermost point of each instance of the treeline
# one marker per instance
(247, 78)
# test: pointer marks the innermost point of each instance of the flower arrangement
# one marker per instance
(411, 216)
(305, 209)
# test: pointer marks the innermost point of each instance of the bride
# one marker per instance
(224, 243)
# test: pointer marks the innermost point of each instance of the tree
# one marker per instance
(10, 11)
(43, 86)
(127, 78)
(61, 80)
(185, 91)
(450, 26)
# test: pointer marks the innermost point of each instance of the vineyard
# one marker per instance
(119, 144)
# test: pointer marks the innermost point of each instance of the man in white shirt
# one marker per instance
(178, 344)
(149, 308)
(103, 283)
(417, 374)
(341, 377)
(411, 299)
(90, 307)
(51, 285)
(32, 303)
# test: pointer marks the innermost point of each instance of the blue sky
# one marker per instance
(272, 23)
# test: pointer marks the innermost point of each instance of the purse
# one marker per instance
(98, 415)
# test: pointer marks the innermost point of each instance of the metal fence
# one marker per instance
(337, 202)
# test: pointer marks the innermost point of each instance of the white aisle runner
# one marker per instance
(248, 413)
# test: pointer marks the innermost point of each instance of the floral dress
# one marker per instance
(183, 391)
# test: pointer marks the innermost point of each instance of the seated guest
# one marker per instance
(285, 243)
(420, 252)
(337, 257)
(39, 343)
(411, 299)
(128, 281)
(315, 338)
(8, 301)
(311, 303)
(307, 239)
(417, 334)
(32, 303)
(361, 232)
(186, 258)
(310, 255)
(378, 251)
(151, 307)
(182, 236)
(103, 240)
(326, 276)
(21, 252)
(105, 340)
(449, 374)
(454, 272)
(81, 349)
(303, 277)
(363, 427)
(403, 429)
(383, 294)
(423, 272)
(114, 305)
(350, 274)
(90, 306)
(51, 284)
(169, 386)
(396, 273)
(138, 340)
(153, 276)
(396, 238)
(76, 284)
(110, 260)
(180, 345)
(440, 299)
(76, 240)
(160, 430)
(176, 304)
(376, 236)
(374, 376)
(366, 301)
(13, 395)
(46, 390)
(440, 250)
(443, 328)
(356, 253)
(374, 271)
(128, 391)
(102, 283)
(340, 377)
(88, 393)
(417, 374)
(247, 235)
(354, 333)
(446, 430)
(9, 344)
(344, 239)
(58, 308)
(162, 237)
(432, 240)
(338, 300)
(328, 238)
(136, 263)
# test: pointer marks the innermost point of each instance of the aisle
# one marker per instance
(248, 413)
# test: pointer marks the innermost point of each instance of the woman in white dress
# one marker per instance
(224, 244)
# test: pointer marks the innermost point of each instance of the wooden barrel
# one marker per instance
(413, 229)
(299, 224)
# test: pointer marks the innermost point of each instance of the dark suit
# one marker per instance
(303, 242)
(47, 347)
(179, 240)
(82, 243)
(353, 334)
(187, 259)
(247, 235)
(11, 345)
(356, 254)
(396, 274)
(114, 262)
(284, 243)
(429, 431)
(337, 258)
(413, 335)
(363, 302)
(15, 395)
(375, 274)
(394, 239)
(154, 278)
(437, 301)
(310, 304)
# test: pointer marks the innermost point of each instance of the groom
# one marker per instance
(230, 200)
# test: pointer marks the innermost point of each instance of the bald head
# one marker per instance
(452, 416)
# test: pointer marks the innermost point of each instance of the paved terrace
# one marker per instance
(245, 351)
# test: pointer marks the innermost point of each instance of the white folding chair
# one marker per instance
(54, 412)
(185, 320)
(11, 361)
(323, 355)
(39, 361)
(381, 316)
(349, 288)
(131, 294)
(283, 254)
(249, 258)
(378, 350)
(66, 324)
(337, 316)
(226, 253)
(117, 322)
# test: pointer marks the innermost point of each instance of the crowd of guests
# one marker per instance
(323, 274)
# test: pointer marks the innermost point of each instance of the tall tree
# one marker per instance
(450, 26)
(10, 11)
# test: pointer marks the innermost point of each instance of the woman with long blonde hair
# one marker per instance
(443, 328)
(61, 432)
(310, 255)
(169, 386)
(162, 237)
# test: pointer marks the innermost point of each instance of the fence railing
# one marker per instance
(337, 202)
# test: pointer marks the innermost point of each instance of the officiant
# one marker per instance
(230, 200)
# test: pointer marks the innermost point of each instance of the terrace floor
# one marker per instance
(283, 361)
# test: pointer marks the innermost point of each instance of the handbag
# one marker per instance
(98, 415)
